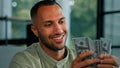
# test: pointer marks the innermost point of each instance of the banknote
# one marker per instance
(81, 44)
(98, 46)
(106, 46)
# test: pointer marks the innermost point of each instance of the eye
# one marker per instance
(62, 21)
(47, 24)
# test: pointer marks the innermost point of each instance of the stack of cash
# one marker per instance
(99, 46)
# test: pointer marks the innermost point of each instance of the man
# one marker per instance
(49, 25)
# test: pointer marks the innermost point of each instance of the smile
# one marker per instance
(58, 38)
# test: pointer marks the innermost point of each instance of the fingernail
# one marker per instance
(101, 56)
(101, 61)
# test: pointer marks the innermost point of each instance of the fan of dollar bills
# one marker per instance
(99, 46)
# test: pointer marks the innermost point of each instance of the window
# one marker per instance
(112, 24)
(111, 20)
(83, 18)
(20, 10)
(14, 19)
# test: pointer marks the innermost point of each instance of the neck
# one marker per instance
(57, 55)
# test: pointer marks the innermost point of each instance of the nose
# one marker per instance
(58, 28)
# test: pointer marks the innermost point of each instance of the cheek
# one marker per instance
(43, 35)
(45, 32)
(65, 28)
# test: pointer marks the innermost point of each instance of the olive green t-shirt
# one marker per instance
(35, 57)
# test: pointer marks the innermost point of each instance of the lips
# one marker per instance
(58, 38)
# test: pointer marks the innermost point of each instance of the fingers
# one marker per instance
(104, 61)
(108, 60)
(81, 62)
(89, 67)
(83, 55)
(85, 64)
(106, 66)
(88, 62)
(105, 56)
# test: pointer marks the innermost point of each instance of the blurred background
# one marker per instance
(90, 18)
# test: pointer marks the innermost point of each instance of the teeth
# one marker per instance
(59, 37)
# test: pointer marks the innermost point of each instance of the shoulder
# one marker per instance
(32, 49)
(26, 57)
(28, 52)
(71, 51)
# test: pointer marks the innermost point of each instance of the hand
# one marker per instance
(81, 62)
(108, 61)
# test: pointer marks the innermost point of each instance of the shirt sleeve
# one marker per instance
(14, 65)
(18, 61)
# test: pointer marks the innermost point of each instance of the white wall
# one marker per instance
(5, 10)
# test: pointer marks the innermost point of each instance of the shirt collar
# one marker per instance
(45, 57)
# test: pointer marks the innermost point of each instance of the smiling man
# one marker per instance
(50, 26)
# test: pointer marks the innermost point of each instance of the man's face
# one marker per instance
(50, 27)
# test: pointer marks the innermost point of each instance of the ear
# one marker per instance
(34, 30)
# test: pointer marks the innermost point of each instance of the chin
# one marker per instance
(61, 48)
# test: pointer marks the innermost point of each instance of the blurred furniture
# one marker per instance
(31, 38)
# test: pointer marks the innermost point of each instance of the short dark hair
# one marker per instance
(34, 9)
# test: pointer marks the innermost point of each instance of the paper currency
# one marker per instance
(105, 46)
(98, 46)
(81, 44)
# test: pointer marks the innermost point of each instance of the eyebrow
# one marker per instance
(51, 20)
(62, 18)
